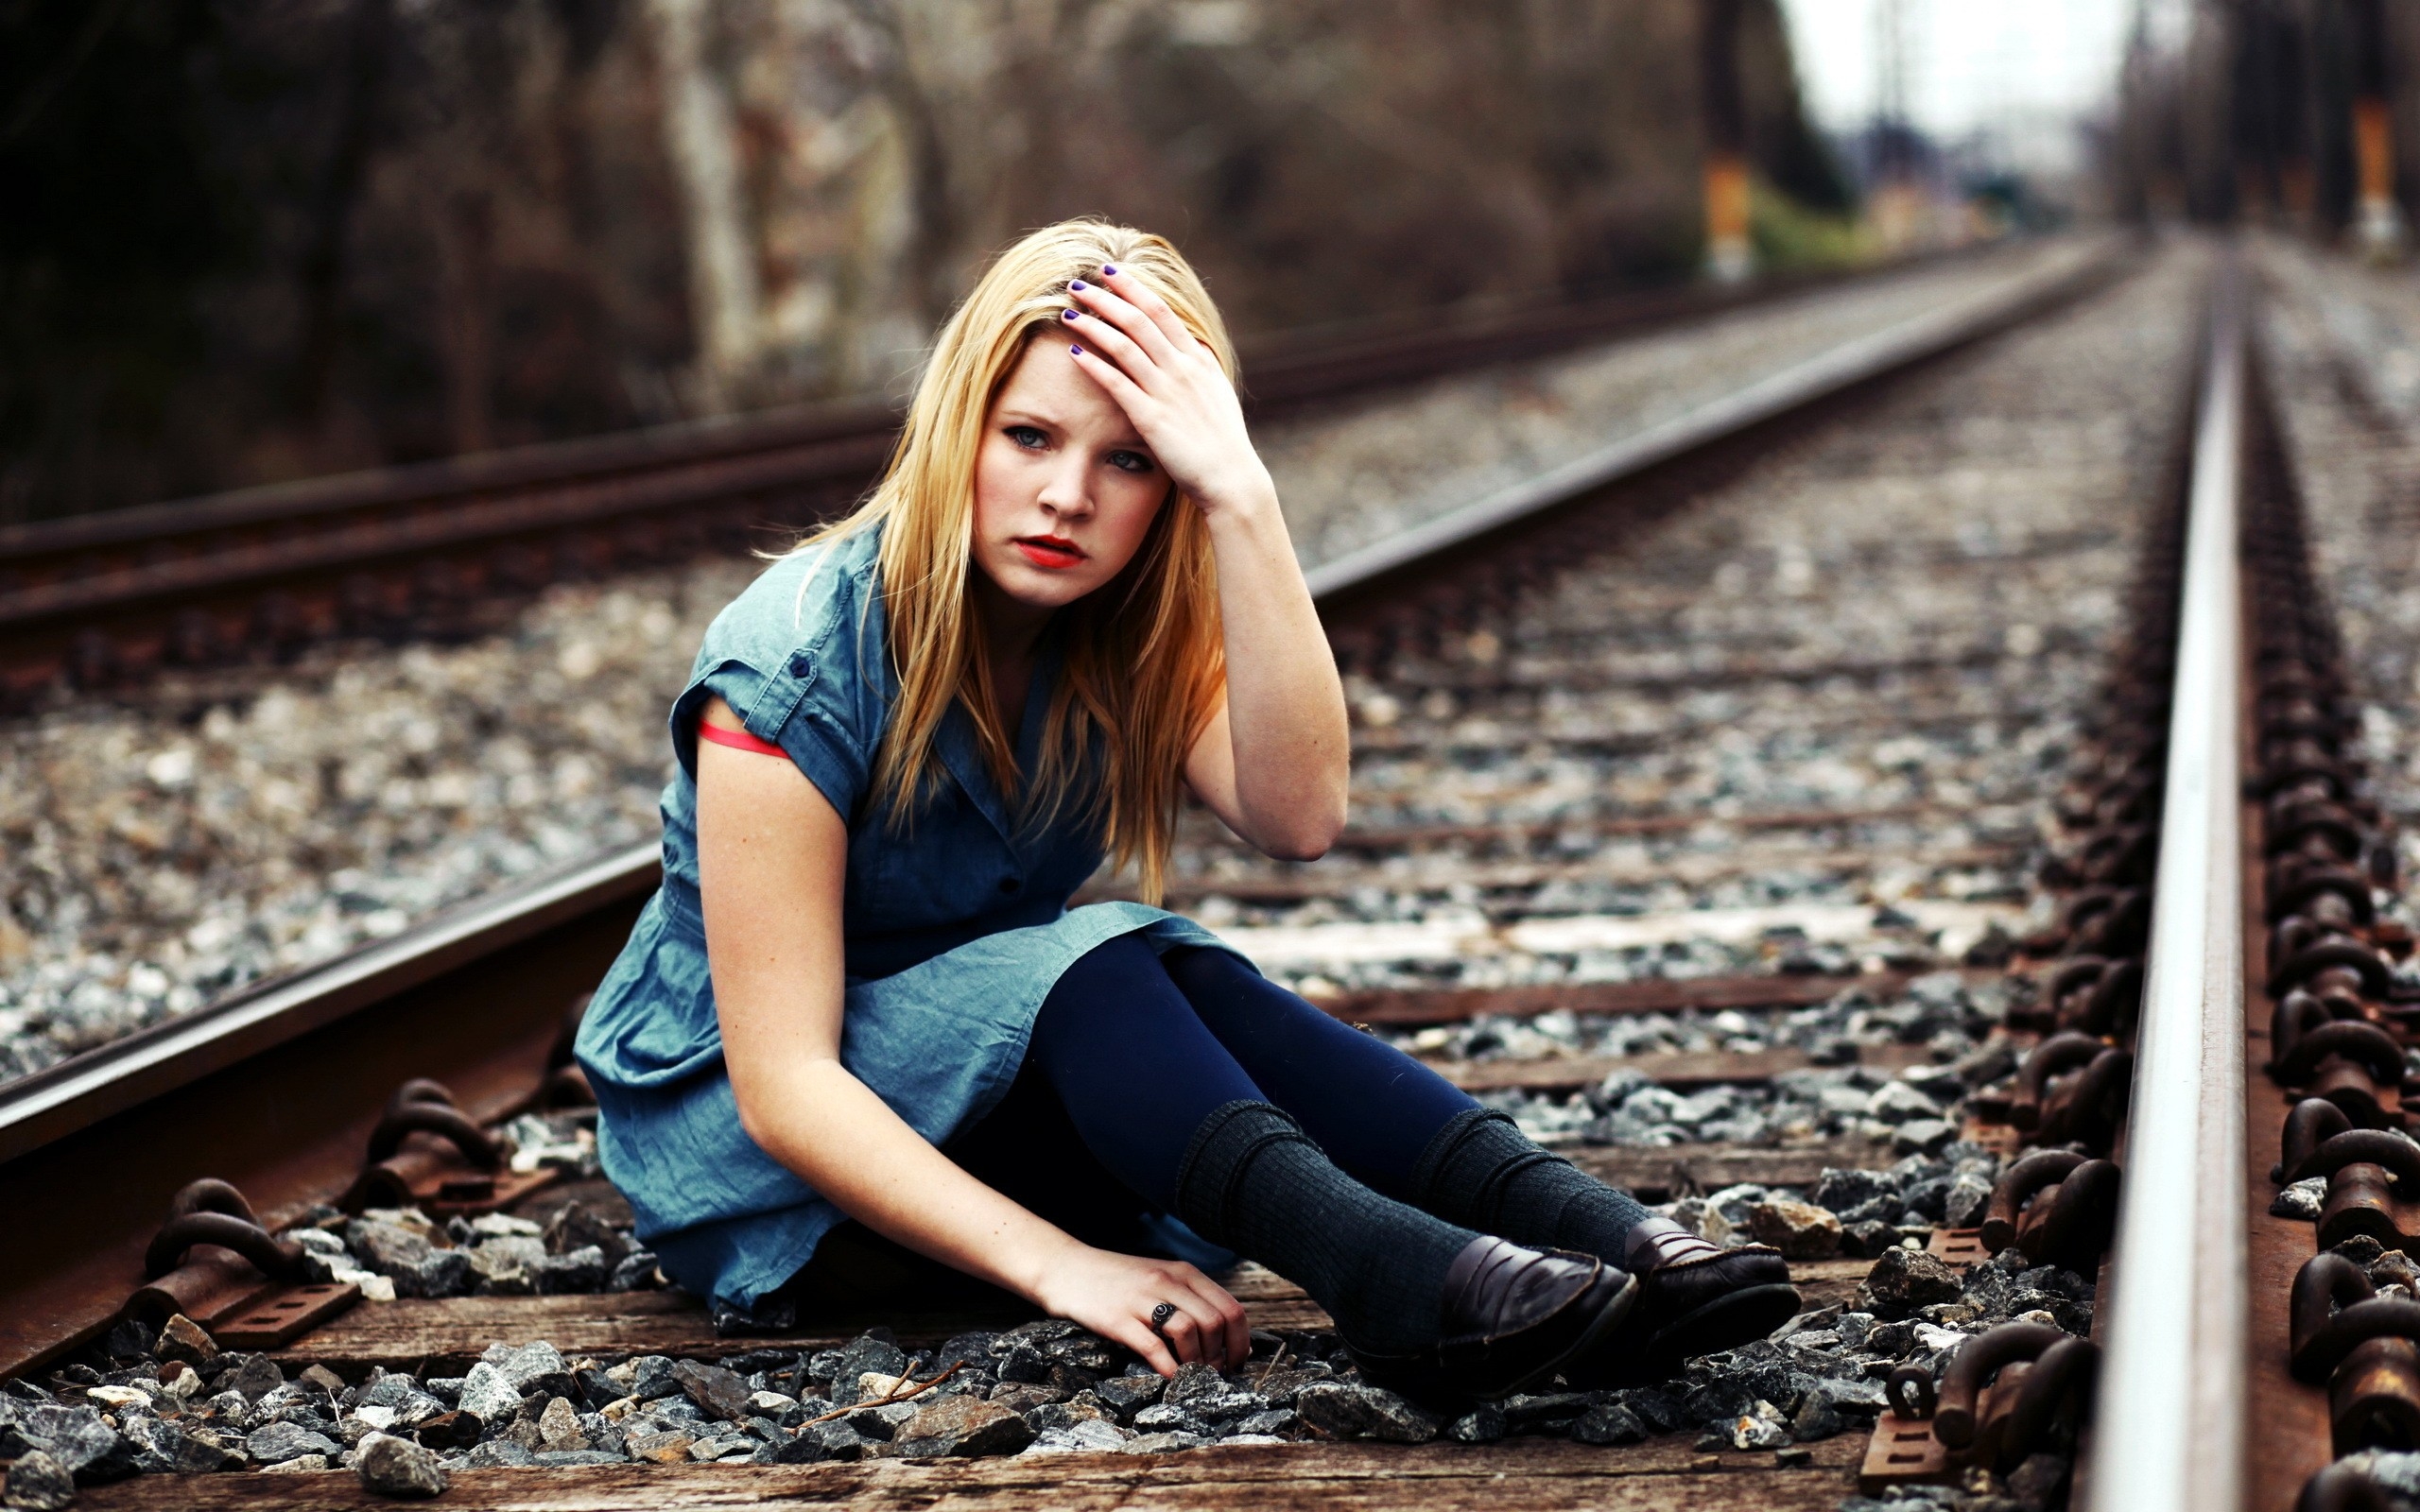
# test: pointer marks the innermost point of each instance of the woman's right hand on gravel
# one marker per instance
(1114, 1296)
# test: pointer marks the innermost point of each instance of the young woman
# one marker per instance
(858, 1023)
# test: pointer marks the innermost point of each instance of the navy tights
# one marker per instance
(1133, 1050)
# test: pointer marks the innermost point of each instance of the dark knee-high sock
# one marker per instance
(1253, 1181)
(1482, 1170)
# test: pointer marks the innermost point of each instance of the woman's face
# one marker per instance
(1064, 490)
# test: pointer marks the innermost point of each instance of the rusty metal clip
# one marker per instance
(2057, 1207)
(2004, 1395)
(2366, 1347)
(427, 1153)
(215, 1263)
(2350, 1062)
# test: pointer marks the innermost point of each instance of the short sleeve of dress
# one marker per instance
(799, 658)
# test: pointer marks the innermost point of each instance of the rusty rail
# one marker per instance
(2169, 1435)
(438, 547)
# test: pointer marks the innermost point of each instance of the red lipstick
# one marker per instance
(1051, 551)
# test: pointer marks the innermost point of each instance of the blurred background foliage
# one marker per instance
(252, 242)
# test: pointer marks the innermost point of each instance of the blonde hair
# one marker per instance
(1144, 667)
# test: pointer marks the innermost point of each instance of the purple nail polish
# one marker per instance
(1109, 270)
(1074, 283)
(1075, 351)
(1067, 315)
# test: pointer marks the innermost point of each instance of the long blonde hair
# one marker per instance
(1144, 667)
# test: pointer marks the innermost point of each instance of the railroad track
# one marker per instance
(448, 549)
(1782, 985)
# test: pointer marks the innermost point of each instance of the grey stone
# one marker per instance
(1090, 1436)
(37, 1483)
(2305, 1200)
(300, 1465)
(499, 1454)
(1124, 1395)
(1817, 1418)
(651, 1377)
(1205, 1393)
(182, 1339)
(722, 1446)
(880, 1424)
(1025, 1396)
(158, 1446)
(1868, 1238)
(717, 1392)
(1896, 1102)
(507, 1265)
(1962, 1206)
(1760, 1427)
(838, 1440)
(1926, 1135)
(577, 1273)
(280, 1442)
(805, 1448)
(1167, 1418)
(1530, 1413)
(417, 1267)
(635, 1272)
(964, 1426)
(1801, 1230)
(255, 1377)
(1905, 1279)
(872, 1353)
(1844, 1191)
(202, 1450)
(666, 1448)
(1268, 1420)
(532, 1368)
(92, 1451)
(1482, 1424)
(1161, 1444)
(1363, 1412)
(565, 1458)
(1611, 1424)
(559, 1426)
(578, 1225)
(489, 1393)
(398, 1468)
(451, 1429)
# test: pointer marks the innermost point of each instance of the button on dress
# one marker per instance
(955, 929)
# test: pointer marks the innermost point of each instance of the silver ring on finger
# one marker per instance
(1160, 1316)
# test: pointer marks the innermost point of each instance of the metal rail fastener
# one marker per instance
(2170, 1435)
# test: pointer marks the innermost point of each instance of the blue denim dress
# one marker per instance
(955, 929)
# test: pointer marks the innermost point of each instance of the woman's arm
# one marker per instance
(771, 863)
(1274, 763)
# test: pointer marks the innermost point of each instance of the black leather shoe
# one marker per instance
(1694, 1298)
(1512, 1317)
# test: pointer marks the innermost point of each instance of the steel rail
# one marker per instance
(2169, 1435)
(1285, 368)
(1827, 374)
(458, 990)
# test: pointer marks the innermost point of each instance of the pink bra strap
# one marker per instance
(737, 740)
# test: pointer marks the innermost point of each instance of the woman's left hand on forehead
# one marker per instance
(1171, 386)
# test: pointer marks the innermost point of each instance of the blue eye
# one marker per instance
(1026, 437)
(1129, 461)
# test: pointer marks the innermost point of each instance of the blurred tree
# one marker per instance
(251, 242)
(115, 224)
